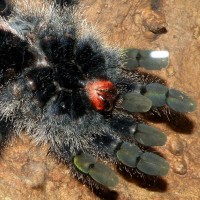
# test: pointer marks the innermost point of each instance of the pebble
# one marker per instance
(180, 167)
(176, 146)
(33, 174)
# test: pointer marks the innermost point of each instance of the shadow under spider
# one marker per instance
(151, 183)
(178, 122)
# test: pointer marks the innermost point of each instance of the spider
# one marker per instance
(62, 86)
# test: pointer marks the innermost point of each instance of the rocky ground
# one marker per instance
(26, 172)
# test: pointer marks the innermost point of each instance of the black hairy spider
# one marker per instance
(64, 88)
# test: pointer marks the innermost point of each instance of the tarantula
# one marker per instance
(62, 86)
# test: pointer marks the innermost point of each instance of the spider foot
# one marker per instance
(147, 135)
(147, 162)
(157, 95)
(149, 59)
(97, 171)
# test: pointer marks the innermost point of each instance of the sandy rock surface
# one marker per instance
(26, 172)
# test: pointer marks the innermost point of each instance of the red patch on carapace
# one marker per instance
(102, 94)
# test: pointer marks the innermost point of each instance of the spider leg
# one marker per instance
(137, 131)
(132, 133)
(78, 148)
(96, 170)
(145, 97)
(15, 55)
(149, 59)
(120, 151)
(118, 146)
(147, 162)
